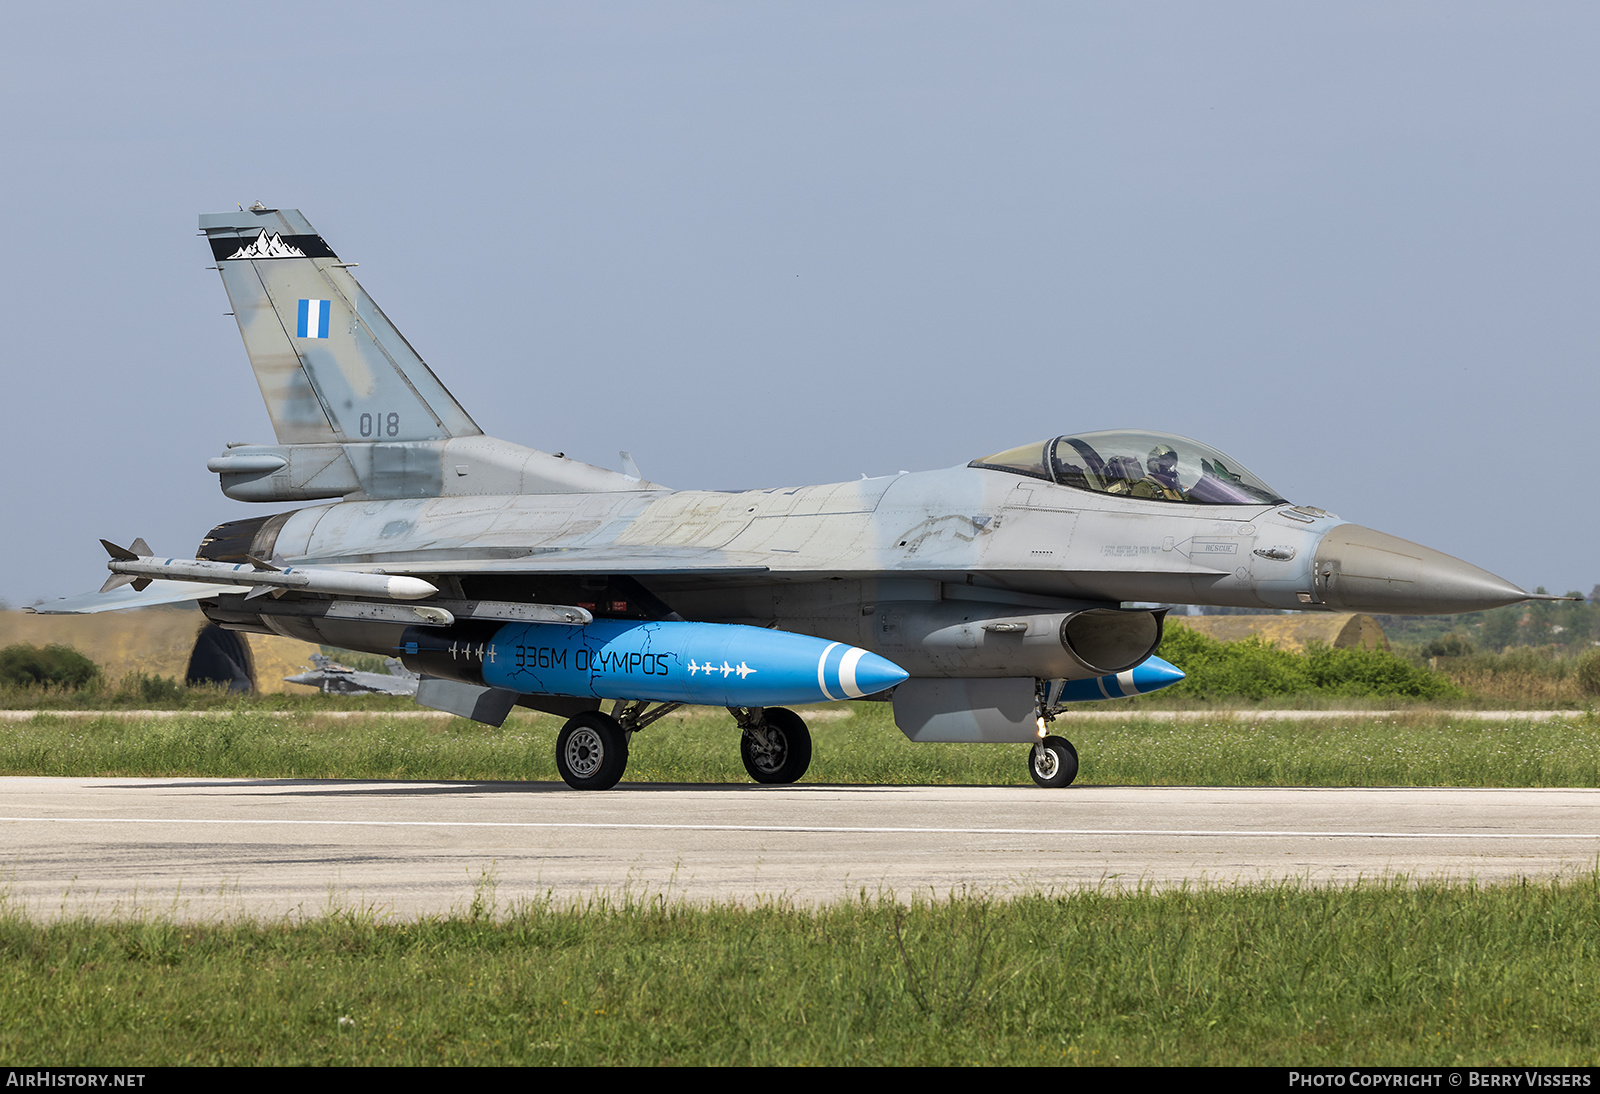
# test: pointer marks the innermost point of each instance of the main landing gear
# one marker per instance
(592, 751)
(592, 748)
(775, 744)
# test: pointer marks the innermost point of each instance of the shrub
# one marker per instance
(1251, 669)
(140, 687)
(1588, 673)
(1255, 669)
(23, 665)
(1454, 644)
(1357, 670)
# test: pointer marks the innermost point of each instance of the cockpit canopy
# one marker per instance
(1137, 464)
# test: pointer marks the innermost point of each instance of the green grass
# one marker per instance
(137, 691)
(1285, 974)
(1404, 750)
(1415, 749)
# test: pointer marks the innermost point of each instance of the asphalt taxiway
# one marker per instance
(209, 848)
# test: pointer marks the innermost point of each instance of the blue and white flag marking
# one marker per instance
(313, 319)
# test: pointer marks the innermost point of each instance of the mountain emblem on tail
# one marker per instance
(268, 246)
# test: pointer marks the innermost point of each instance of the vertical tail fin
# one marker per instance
(331, 366)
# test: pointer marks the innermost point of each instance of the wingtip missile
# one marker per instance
(137, 565)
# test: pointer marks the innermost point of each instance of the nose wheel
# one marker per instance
(1053, 762)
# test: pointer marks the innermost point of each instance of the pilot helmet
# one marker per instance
(1163, 461)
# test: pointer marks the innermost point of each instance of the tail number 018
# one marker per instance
(387, 425)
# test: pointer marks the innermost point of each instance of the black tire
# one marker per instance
(591, 751)
(1053, 762)
(779, 751)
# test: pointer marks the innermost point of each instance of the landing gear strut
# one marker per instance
(775, 745)
(1052, 761)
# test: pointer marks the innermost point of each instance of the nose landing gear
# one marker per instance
(1053, 762)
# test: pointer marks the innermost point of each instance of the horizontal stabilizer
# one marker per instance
(155, 594)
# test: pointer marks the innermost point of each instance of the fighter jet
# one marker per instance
(979, 600)
(336, 679)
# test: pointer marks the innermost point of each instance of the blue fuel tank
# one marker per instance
(713, 664)
(1151, 674)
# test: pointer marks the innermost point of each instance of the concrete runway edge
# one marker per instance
(199, 849)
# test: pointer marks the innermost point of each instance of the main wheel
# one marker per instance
(1053, 762)
(591, 751)
(778, 750)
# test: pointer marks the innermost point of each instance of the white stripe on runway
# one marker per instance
(865, 829)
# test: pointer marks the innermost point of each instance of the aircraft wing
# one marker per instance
(158, 592)
(581, 561)
(559, 561)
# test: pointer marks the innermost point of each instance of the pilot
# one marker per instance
(1161, 476)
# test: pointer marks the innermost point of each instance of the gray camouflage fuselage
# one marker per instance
(853, 561)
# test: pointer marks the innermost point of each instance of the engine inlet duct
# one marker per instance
(955, 638)
(1110, 641)
(713, 664)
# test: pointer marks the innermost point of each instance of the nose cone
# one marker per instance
(1362, 570)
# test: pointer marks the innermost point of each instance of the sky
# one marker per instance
(770, 244)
